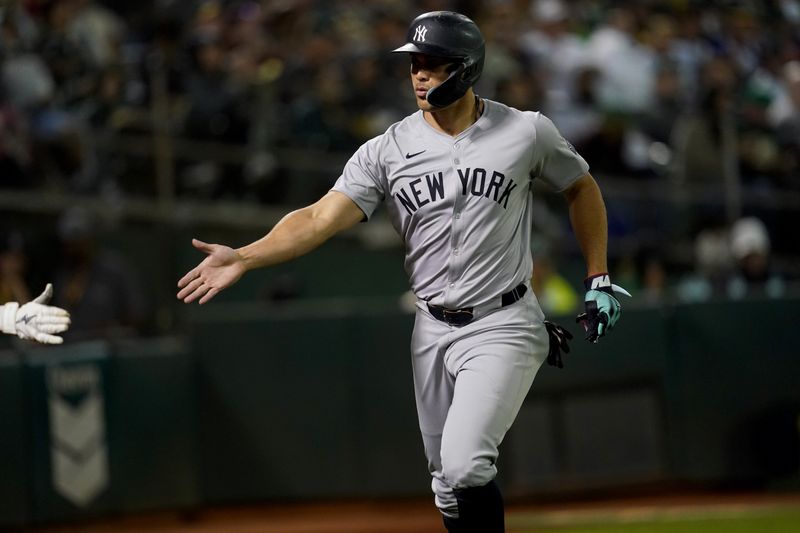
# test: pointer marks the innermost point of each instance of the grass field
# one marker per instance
(733, 519)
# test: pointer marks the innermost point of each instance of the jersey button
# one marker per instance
(452, 284)
(455, 251)
(458, 215)
(456, 161)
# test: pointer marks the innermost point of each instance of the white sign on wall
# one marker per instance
(79, 452)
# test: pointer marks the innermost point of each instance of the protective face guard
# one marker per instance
(450, 89)
(454, 87)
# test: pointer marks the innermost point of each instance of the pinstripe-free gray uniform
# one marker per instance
(463, 208)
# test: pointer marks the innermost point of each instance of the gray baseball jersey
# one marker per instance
(463, 208)
(462, 204)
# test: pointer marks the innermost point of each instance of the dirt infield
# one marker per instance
(330, 517)
(419, 516)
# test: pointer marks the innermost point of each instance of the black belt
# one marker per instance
(462, 317)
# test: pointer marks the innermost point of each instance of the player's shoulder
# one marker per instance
(405, 134)
(541, 128)
(408, 126)
(402, 128)
(535, 118)
(507, 113)
(383, 150)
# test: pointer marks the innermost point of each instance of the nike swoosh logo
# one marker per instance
(26, 319)
(409, 156)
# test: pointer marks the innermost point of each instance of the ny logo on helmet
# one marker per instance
(419, 34)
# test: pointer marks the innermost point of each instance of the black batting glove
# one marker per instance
(559, 341)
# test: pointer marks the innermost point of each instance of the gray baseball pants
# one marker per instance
(470, 382)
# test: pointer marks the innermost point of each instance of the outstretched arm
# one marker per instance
(296, 234)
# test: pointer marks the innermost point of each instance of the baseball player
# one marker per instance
(35, 320)
(455, 178)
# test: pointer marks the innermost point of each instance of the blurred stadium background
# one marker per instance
(126, 128)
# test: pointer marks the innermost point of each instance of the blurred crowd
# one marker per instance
(101, 288)
(251, 95)
(640, 88)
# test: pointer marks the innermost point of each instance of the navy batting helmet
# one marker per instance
(451, 35)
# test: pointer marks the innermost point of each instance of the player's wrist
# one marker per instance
(600, 281)
(8, 317)
(245, 258)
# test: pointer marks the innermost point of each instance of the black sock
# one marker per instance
(480, 510)
(453, 525)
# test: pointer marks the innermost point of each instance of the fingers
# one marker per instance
(591, 326)
(45, 296)
(190, 295)
(44, 313)
(561, 338)
(43, 323)
(198, 289)
(189, 276)
(203, 246)
(601, 327)
(563, 333)
(189, 286)
(564, 345)
(559, 341)
(600, 316)
(194, 274)
(46, 338)
(53, 326)
(210, 294)
(53, 312)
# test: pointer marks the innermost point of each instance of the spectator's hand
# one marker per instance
(602, 308)
(222, 268)
(36, 320)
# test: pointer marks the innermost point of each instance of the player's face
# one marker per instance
(428, 72)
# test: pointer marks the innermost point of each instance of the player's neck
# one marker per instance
(456, 118)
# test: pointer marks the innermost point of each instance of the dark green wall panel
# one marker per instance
(14, 443)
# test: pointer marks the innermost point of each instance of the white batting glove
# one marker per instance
(35, 320)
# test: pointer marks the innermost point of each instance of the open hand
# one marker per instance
(38, 321)
(220, 269)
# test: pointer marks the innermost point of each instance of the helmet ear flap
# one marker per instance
(468, 72)
(450, 89)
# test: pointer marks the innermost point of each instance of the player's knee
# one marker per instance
(467, 471)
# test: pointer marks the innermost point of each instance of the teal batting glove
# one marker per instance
(602, 308)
